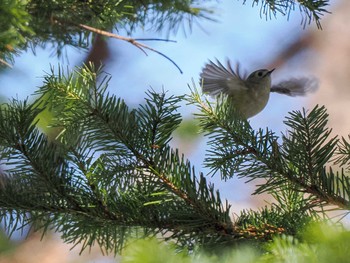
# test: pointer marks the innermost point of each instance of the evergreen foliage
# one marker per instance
(57, 23)
(111, 175)
(310, 10)
(321, 244)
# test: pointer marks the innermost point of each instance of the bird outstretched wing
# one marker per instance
(296, 86)
(216, 78)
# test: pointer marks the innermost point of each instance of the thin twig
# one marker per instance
(7, 64)
(155, 39)
(132, 41)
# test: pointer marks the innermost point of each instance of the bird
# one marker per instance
(249, 94)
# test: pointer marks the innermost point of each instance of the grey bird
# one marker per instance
(250, 95)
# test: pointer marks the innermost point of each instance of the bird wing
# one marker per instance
(296, 86)
(217, 78)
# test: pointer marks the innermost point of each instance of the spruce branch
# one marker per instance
(309, 149)
(342, 157)
(301, 159)
(110, 172)
(232, 140)
(58, 22)
(46, 22)
(309, 9)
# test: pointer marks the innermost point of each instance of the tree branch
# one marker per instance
(132, 41)
(7, 64)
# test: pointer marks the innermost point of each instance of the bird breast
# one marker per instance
(252, 103)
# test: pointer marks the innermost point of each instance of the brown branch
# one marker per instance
(155, 39)
(132, 41)
(7, 64)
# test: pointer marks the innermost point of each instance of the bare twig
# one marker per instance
(155, 39)
(7, 64)
(132, 41)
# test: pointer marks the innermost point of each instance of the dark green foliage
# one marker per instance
(57, 23)
(343, 153)
(236, 149)
(311, 10)
(14, 28)
(289, 215)
(111, 174)
(300, 158)
(308, 145)
(65, 16)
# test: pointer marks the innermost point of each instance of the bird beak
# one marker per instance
(271, 71)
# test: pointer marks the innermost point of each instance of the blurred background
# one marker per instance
(241, 35)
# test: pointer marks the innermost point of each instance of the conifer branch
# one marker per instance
(301, 159)
(112, 171)
(309, 9)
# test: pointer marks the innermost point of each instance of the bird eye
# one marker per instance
(260, 73)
